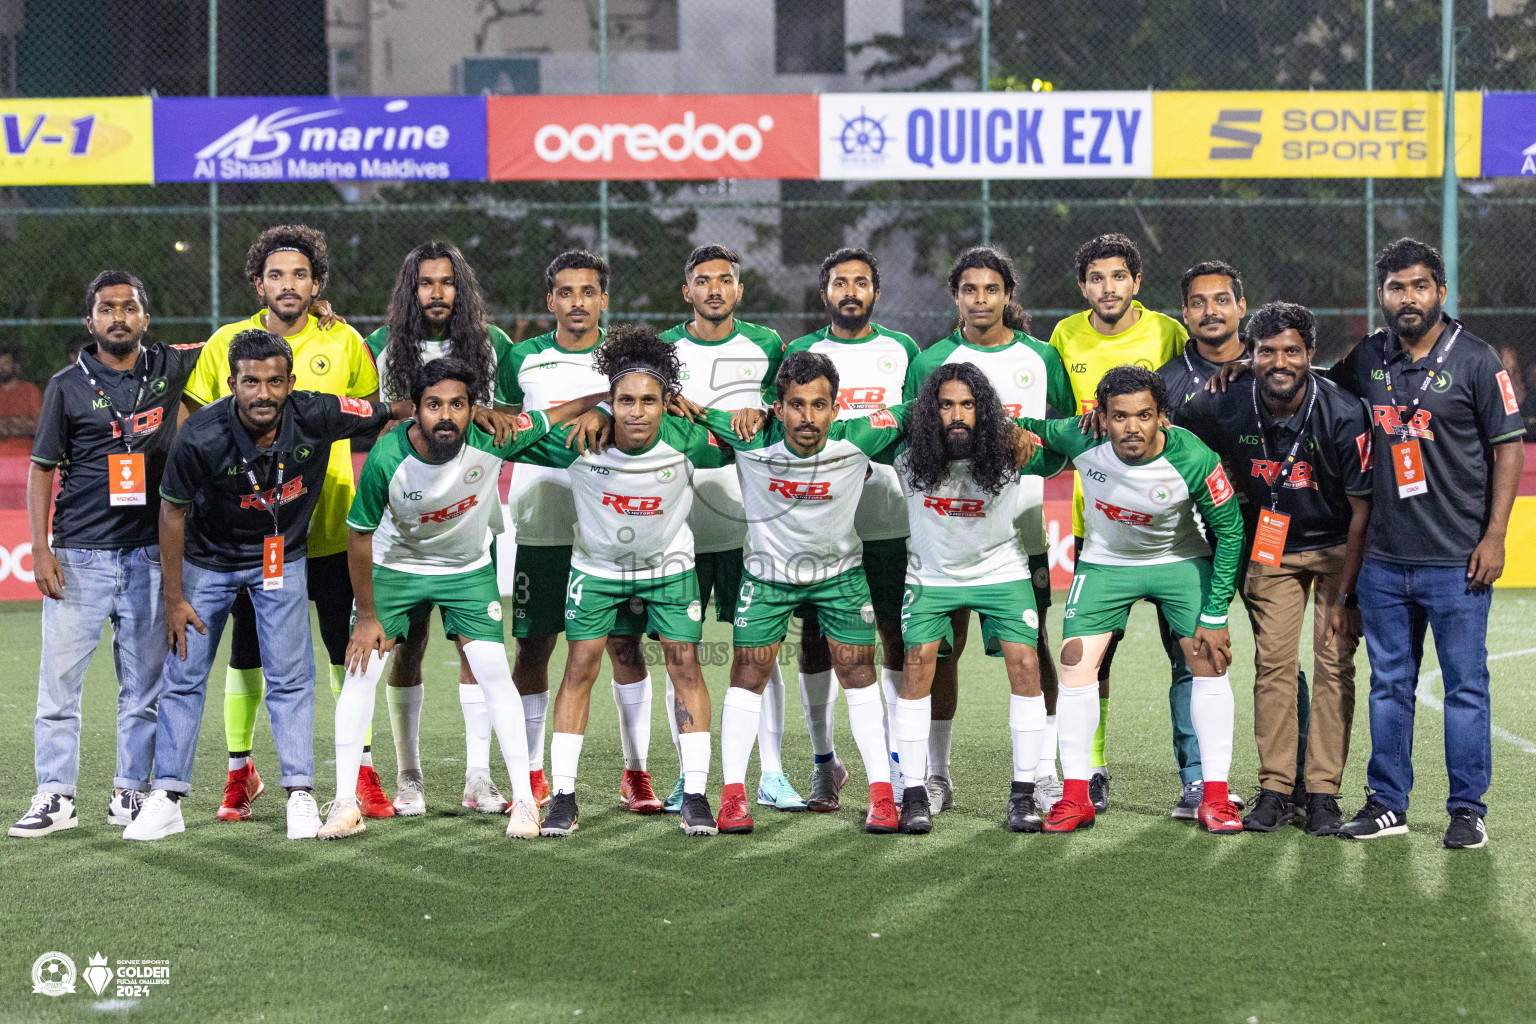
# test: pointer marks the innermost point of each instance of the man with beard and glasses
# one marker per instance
(436, 309)
(20, 405)
(1029, 379)
(1298, 447)
(958, 471)
(729, 364)
(871, 363)
(240, 484)
(288, 266)
(107, 424)
(1448, 457)
(421, 538)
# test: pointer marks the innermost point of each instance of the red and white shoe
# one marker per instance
(1073, 811)
(242, 787)
(1217, 812)
(882, 818)
(734, 819)
(636, 795)
(371, 798)
(541, 791)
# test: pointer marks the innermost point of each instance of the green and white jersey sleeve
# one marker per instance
(539, 375)
(800, 508)
(435, 518)
(872, 373)
(632, 507)
(735, 373)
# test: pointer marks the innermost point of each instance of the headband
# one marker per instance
(638, 368)
(287, 248)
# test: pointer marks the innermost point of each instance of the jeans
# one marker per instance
(1397, 602)
(123, 587)
(282, 621)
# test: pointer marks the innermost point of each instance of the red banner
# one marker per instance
(16, 558)
(639, 137)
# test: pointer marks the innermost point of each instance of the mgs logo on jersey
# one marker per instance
(632, 505)
(857, 399)
(453, 511)
(1122, 515)
(964, 508)
(801, 490)
(293, 490)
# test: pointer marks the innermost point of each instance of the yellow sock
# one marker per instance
(243, 691)
(1098, 736)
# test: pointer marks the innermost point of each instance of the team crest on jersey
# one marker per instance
(964, 508)
(886, 364)
(302, 453)
(356, 407)
(494, 611)
(453, 511)
(632, 504)
(473, 474)
(801, 490)
(524, 421)
(665, 475)
(1031, 619)
(1160, 494)
(883, 420)
(158, 387)
(1219, 486)
(1024, 378)
(1122, 515)
(867, 612)
(695, 611)
(319, 366)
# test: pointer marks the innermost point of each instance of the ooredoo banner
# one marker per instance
(645, 137)
(95, 141)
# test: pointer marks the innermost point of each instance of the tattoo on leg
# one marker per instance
(679, 712)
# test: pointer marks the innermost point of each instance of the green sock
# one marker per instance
(1098, 736)
(243, 691)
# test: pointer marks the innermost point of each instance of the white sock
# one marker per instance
(1077, 715)
(890, 690)
(535, 705)
(354, 710)
(770, 725)
(1211, 713)
(866, 720)
(941, 735)
(367, 758)
(634, 703)
(818, 694)
(672, 722)
(1026, 720)
(477, 730)
(564, 756)
(488, 661)
(914, 719)
(1047, 765)
(738, 731)
(695, 760)
(405, 722)
(236, 763)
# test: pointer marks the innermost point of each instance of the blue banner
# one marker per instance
(1509, 134)
(320, 138)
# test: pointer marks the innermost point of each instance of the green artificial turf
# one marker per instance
(441, 918)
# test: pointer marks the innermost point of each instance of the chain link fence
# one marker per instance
(1305, 240)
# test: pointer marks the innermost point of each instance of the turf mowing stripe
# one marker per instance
(1426, 697)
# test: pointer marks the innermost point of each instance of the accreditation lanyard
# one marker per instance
(1269, 538)
(1190, 367)
(1407, 459)
(125, 471)
(272, 544)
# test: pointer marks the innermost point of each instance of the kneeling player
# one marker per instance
(1143, 484)
(958, 473)
(420, 536)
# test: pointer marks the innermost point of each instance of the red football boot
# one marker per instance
(1073, 811)
(882, 818)
(1217, 812)
(636, 795)
(733, 818)
(541, 792)
(371, 799)
(240, 789)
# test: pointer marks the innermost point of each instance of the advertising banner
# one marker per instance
(931, 135)
(572, 138)
(98, 141)
(1311, 134)
(1509, 135)
(320, 138)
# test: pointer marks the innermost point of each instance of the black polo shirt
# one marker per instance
(1185, 375)
(1333, 463)
(77, 433)
(1468, 408)
(207, 469)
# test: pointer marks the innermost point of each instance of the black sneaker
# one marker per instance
(561, 818)
(916, 817)
(49, 813)
(1098, 792)
(1270, 811)
(1023, 816)
(1375, 821)
(1323, 815)
(696, 819)
(1467, 831)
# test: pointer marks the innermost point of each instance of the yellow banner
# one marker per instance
(1520, 544)
(98, 141)
(1311, 134)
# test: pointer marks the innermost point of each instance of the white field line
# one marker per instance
(1426, 697)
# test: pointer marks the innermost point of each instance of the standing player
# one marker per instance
(538, 375)
(288, 266)
(436, 309)
(729, 364)
(632, 566)
(958, 472)
(421, 536)
(1146, 482)
(113, 408)
(1027, 376)
(871, 363)
(1115, 330)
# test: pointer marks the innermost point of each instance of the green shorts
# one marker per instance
(719, 573)
(667, 608)
(1102, 595)
(470, 602)
(538, 595)
(841, 604)
(885, 567)
(1007, 613)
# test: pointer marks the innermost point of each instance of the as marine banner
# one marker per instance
(93, 141)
